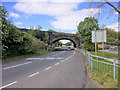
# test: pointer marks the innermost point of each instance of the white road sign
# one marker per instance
(99, 36)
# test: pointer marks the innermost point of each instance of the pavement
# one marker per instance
(59, 69)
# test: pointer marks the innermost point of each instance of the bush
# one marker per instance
(89, 46)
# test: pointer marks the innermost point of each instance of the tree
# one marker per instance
(46, 37)
(77, 35)
(60, 43)
(85, 29)
(69, 43)
(50, 30)
(112, 37)
(39, 28)
(101, 3)
(31, 31)
(4, 27)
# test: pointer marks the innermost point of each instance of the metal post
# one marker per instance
(95, 43)
(103, 41)
(114, 69)
(91, 63)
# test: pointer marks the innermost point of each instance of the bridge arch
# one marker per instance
(53, 40)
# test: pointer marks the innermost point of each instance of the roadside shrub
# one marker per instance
(89, 46)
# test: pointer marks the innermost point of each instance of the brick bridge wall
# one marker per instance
(53, 38)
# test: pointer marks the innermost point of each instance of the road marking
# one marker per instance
(17, 65)
(59, 53)
(48, 68)
(70, 56)
(56, 63)
(8, 85)
(62, 61)
(33, 74)
(66, 58)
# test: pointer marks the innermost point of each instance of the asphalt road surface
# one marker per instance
(59, 69)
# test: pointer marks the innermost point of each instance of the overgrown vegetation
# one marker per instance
(16, 42)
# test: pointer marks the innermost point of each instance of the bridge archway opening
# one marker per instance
(74, 43)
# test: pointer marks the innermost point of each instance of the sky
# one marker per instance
(61, 16)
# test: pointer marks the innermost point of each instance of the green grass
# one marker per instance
(24, 56)
(57, 49)
(106, 54)
(104, 73)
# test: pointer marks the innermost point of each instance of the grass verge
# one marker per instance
(103, 79)
(106, 54)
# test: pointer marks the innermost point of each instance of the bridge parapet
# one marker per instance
(56, 36)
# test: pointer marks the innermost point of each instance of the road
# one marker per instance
(59, 69)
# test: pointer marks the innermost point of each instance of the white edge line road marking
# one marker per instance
(8, 85)
(70, 56)
(17, 65)
(33, 74)
(48, 68)
(56, 63)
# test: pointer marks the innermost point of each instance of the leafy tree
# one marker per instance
(60, 43)
(15, 42)
(50, 30)
(69, 43)
(77, 35)
(112, 37)
(39, 28)
(4, 27)
(31, 31)
(46, 37)
(85, 29)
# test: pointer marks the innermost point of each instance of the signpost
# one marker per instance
(98, 36)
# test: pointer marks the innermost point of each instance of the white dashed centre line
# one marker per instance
(17, 65)
(8, 85)
(33, 74)
(56, 63)
(48, 68)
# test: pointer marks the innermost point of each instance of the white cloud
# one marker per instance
(12, 14)
(26, 17)
(114, 26)
(116, 13)
(71, 21)
(18, 23)
(67, 16)
(58, 1)
(52, 9)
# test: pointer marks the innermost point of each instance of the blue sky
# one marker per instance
(59, 16)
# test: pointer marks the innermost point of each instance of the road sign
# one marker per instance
(99, 36)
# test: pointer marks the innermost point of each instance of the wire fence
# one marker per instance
(108, 68)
